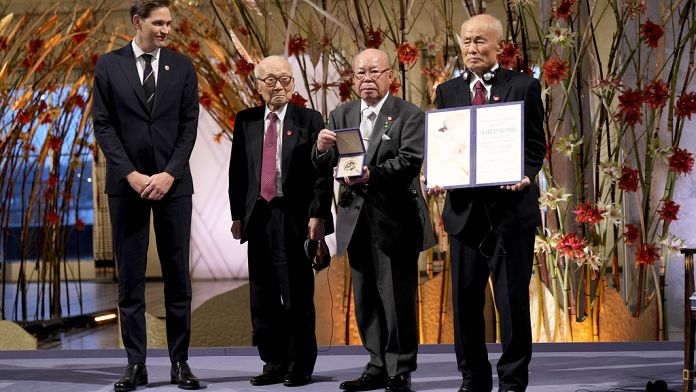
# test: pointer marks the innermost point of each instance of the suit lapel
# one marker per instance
(164, 72)
(289, 136)
(462, 92)
(500, 88)
(130, 71)
(254, 139)
(381, 126)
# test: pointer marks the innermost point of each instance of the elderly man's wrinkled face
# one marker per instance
(275, 83)
(481, 45)
(372, 75)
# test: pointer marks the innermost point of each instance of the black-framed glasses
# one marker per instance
(272, 80)
(374, 74)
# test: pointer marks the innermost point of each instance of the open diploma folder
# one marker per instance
(474, 146)
(351, 153)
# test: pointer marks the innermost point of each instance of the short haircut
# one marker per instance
(143, 8)
(260, 69)
(493, 23)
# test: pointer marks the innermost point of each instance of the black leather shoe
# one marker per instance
(134, 376)
(183, 377)
(366, 382)
(400, 383)
(296, 379)
(267, 378)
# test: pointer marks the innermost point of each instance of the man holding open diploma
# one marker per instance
(492, 228)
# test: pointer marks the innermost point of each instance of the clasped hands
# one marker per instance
(153, 187)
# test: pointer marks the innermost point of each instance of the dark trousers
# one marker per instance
(511, 264)
(385, 289)
(130, 218)
(281, 285)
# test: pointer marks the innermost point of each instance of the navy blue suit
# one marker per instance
(133, 138)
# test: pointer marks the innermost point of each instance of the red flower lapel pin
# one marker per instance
(496, 98)
(288, 132)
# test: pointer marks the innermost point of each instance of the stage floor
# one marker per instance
(555, 368)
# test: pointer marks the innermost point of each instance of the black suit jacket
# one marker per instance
(393, 199)
(306, 192)
(132, 137)
(508, 211)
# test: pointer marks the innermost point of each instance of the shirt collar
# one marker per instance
(376, 108)
(139, 52)
(280, 112)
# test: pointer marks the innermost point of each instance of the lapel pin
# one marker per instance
(289, 133)
(496, 98)
(166, 68)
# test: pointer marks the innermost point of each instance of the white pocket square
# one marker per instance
(385, 137)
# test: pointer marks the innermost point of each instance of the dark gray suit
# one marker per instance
(382, 230)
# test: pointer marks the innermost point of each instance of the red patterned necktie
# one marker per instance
(268, 160)
(479, 94)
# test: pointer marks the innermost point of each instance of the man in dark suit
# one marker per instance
(145, 115)
(380, 221)
(278, 200)
(492, 228)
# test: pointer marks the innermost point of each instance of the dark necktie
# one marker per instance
(149, 81)
(268, 159)
(479, 94)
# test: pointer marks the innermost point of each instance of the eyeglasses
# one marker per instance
(374, 74)
(272, 80)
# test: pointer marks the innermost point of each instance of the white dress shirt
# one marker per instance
(140, 61)
(475, 78)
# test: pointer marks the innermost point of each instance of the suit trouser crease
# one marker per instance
(511, 275)
(130, 218)
(281, 283)
(385, 290)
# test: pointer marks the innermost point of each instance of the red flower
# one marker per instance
(79, 224)
(555, 71)
(54, 143)
(243, 67)
(669, 211)
(572, 246)
(52, 218)
(296, 45)
(194, 47)
(172, 46)
(184, 28)
(34, 45)
(373, 38)
(656, 94)
(78, 38)
(681, 161)
(52, 181)
(93, 59)
(223, 67)
(630, 234)
(76, 100)
(218, 87)
(588, 214)
(629, 179)
(563, 9)
(344, 91)
(230, 120)
(629, 106)
(48, 195)
(298, 100)
(686, 105)
(205, 100)
(651, 33)
(509, 56)
(647, 254)
(394, 87)
(23, 117)
(408, 53)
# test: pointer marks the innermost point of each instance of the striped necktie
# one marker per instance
(149, 81)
